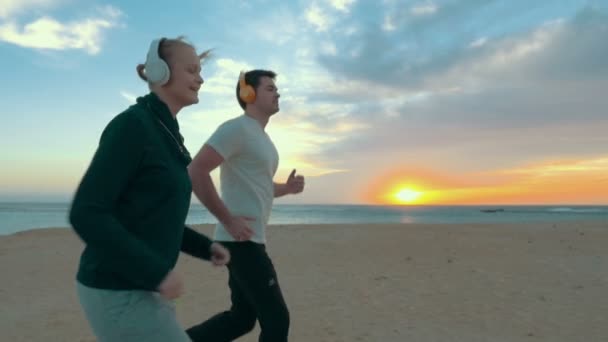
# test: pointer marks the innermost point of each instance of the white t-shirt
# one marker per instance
(246, 175)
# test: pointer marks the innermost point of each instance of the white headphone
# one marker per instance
(157, 70)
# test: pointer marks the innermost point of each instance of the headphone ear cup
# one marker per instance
(158, 72)
(246, 92)
(156, 69)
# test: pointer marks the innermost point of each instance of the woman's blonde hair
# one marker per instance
(166, 47)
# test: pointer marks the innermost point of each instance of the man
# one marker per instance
(248, 161)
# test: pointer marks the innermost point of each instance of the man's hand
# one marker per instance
(238, 227)
(294, 184)
(172, 286)
(220, 256)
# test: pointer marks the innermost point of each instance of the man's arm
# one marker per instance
(205, 161)
(280, 189)
(294, 185)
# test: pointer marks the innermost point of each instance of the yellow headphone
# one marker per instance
(246, 92)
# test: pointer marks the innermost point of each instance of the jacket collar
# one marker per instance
(161, 112)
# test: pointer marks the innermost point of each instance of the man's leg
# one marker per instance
(258, 280)
(239, 320)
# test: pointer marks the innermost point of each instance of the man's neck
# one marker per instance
(255, 114)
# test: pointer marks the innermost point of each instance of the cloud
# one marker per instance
(423, 9)
(495, 103)
(341, 5)
(282, 18)
(479, 42)
(131, 98)
(328, 48)
(316, 17)
(324, 15)
(389, 23)
(48, 33)
(559, 168)
(570, 51)
(396, 48)
(223, 81)
(10, 8)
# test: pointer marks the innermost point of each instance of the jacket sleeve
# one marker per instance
(92, 216)
(196, 244)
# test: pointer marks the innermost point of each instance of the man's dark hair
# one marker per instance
(252, 78)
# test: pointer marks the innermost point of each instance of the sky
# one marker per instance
(436, 102)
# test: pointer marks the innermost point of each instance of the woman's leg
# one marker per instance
(130, 315)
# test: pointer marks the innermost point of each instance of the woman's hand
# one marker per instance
(220, 256)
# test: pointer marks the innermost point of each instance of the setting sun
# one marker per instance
(407, 195)
(404, 187)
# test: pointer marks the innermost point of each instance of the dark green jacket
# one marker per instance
(130, 208)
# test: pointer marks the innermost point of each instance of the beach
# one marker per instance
(380, 282)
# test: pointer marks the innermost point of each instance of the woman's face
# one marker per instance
(186, 80)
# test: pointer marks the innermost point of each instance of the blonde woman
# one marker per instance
(131, 205)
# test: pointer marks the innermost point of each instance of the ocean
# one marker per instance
(15, 217)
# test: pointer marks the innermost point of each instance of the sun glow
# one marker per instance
(407, 196)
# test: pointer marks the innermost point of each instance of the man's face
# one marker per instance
(267, 96)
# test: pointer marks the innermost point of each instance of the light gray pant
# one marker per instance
(130, 316)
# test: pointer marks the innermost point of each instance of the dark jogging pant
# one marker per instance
(255, 295)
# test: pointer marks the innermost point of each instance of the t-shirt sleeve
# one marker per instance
(227, 139)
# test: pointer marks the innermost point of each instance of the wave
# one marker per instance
(577, 210)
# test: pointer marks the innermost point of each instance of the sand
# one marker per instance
(408, 282)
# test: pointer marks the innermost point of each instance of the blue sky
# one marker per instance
(442, 95)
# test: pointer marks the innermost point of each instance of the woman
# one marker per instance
(131, 206)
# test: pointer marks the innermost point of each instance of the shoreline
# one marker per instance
(406, 224)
